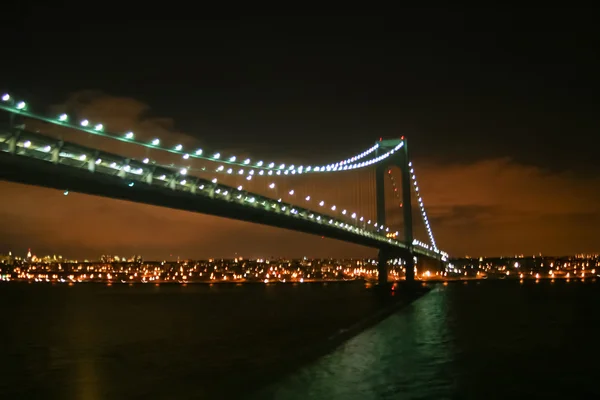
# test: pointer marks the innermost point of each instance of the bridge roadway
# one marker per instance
(35, 159)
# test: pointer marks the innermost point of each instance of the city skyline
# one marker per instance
(506, 167)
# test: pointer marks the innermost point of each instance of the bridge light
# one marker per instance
(214, 180)
(5, 97)
(239, 187)
(333, 208)
(232, 158)
(241, 172)
(85, 122)
(344, 212)
(98, 127)
(47, 149)
(353, 215)
(98, 161)
(82, 157)
(183, 171)
(272, 185)
(229, 170)
(247, 161)
(146, 160)
(183, 182)
(271, 165)
(131, 184)
(307, 198)
(66, 193)
(259, 164)
(249, 178)
(321, 203)
(21, 105)
(186, 156)
(178, 147)
(217, 156)
(361, 219)
(129, 135)
(155, 142)
(27, 144)
(261, 172)
(282, 166)
(291, 192)
(198, 152)
(63, 117)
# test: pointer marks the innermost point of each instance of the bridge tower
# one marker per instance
(401, 160)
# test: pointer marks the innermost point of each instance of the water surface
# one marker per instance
(488, 340)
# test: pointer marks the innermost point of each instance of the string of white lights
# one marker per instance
(340, 212)
(422, 207)
(433, 245)
(277, 168)
(183, 172)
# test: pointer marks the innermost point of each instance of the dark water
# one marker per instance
(488, 340)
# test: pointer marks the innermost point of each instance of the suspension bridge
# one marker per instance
(366, 199)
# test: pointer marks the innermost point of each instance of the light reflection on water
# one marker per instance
(476, 341)
(384, 360)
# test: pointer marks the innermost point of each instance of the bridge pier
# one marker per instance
(410, 268)
(382, 267)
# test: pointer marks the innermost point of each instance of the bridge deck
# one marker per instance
(39, 160)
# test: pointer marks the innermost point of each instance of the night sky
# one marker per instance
(500, 110)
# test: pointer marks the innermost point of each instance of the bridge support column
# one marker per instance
(405, 166)
(382, 267)
(410, 268)
(401, 160)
